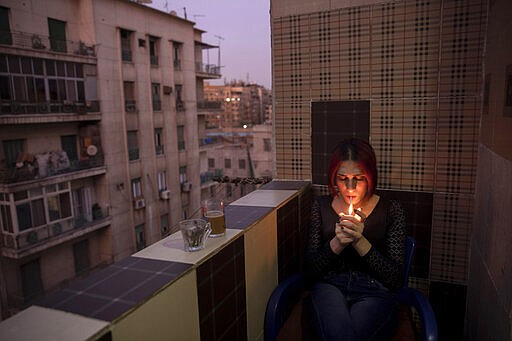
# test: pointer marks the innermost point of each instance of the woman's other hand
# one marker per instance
(341, 239)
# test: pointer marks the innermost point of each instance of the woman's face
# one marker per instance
(351, 182)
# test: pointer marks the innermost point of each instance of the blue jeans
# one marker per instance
(352, 306)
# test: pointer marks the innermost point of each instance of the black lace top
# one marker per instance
(385, 230)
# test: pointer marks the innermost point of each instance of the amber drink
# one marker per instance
(213, 212)
(217, 221)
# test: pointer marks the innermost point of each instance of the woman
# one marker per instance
(354, 261)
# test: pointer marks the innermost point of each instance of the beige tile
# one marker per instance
(38, 323)
(265, 198)
(171, 248)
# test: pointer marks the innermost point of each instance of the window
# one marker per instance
(153, 50)
(241, 164)
(211, 163)
(69, 145)
(133, 145)
(227, 163)
(267, 146)
(181, 137)
(12, 149)
(136, 188)
(5, 209)
(164, 225)
(183, 174)
(33, 82)
(162, 180)
(5, 27)
(82, 199)
(139, 237)
(129, 96)
(159, 144)
(38, 207)
(81, 256)
(31, 280)
(59, 206)
(155, 97)
(57, 30)
(126, 45)
(180, 106)
(176, 54)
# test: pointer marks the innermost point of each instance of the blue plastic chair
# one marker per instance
(289, 291)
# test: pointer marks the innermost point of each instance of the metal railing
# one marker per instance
(48, 107)
(209, 105)
(210, 69)
(45, 43)
(29, 172)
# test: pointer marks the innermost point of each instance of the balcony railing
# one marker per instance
(130, 105)
(50, 107)
(133, 154)
(31, 171)
(157, 105)
(45, 43)
(209, 69)
(126, 55)
(209, 105)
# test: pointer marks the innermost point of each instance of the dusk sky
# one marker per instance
(244, 26)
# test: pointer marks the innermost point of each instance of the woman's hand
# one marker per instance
(353, 227)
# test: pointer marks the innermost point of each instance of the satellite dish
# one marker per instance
(92, 150)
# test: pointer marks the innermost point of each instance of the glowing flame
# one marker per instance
(351, 208)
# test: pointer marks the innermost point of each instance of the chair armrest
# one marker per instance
(415, 298)
(280, 303)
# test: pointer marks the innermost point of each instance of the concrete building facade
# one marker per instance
(99, 126)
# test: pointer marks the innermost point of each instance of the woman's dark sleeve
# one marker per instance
(319, 256)
(388, 267)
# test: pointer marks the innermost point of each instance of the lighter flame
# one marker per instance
(351, 208)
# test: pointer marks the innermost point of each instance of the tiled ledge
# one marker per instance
(163, 290)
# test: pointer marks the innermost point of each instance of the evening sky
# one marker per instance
(240, 27)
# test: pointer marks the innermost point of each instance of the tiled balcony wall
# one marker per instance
(163, 292)
(407, 76)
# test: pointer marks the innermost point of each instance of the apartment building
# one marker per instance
(99, 152)
(240, 103)
(236, 135)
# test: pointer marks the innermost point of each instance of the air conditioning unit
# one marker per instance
(165, 194)
(186, 186)
(167, 90)
(139, 203)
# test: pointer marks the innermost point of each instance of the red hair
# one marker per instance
(359, 151)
